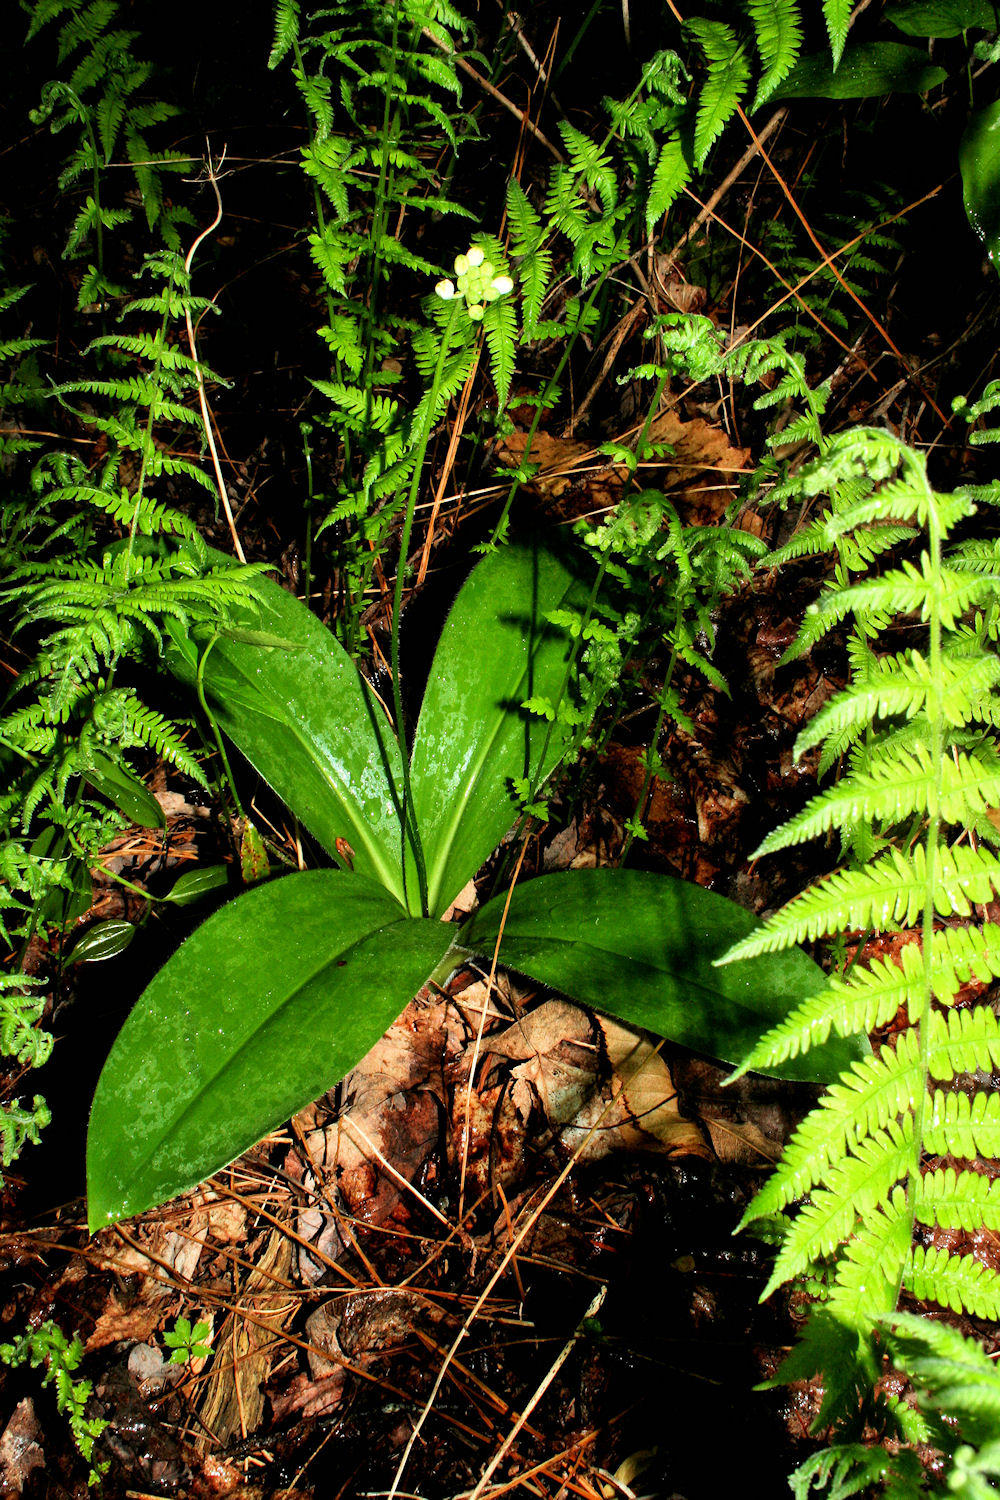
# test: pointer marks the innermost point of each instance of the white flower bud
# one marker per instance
(475, 256)
(461, 264)
(476, 312)
(502, 285)
(445, 290)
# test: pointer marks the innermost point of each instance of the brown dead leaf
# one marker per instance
(20, 1448)
(563, 463)
(741, 1142)
(648, 1088)
(304, 1397)
(355, 1326)
(177, 1246)
(558, 1068)
(542, 1030)
(700, 470)
(391, 1113)
(118, 1323)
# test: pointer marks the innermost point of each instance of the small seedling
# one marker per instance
(186, 1343)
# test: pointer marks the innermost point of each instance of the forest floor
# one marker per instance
(499, 1257)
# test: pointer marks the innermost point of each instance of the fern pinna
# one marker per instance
(917, 729)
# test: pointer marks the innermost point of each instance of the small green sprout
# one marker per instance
(186, 1342)
(478, 283)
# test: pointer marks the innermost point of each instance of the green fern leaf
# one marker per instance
(500, 327)
(872, 1266)
(958, 1200)
(889, 892)
(777, 27)
(962, 954)
(962, 1041)
(727, 81)
(960, 1282)
(899, 685)
(837, 15)
(963, 1127)
(863, 1001)
(670, 177)
(898, 786)
(905, 590)
(866, 1099)
(857, 1184)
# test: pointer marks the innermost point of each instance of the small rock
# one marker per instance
(150, 1371)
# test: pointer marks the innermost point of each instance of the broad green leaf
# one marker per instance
(304, 717)
(126, 792)
(640, 946)
(866, 71)
(268, 1003)
(943, 18)
(103, 940)
(495, 653)
(194, 884)
(979, 159)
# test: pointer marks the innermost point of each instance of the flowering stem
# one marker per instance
(409, 821)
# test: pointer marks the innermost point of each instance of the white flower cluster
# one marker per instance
(477, 283)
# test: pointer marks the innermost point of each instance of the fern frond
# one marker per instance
(889, 892)
(856, 1186)
(956, 1371)
(777, 28)
(959, 1126)
(962, 954)
(896, 685)
(868, 1275)
(286, 30)
(864, 1000)
(958, 1200)
(962, 1041)
(898, 786)
(837, 15)
(957, 1281)
(866, 1099)
(500, 328)
(727, 81)
(670, 177)
(905, 590)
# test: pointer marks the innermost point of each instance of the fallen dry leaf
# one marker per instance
(116, 1323)
(20, 1448)
(178, 1246)
(356, 1325)
(563, 463)
(698, 472)
(558, 1067)
(391, 1112)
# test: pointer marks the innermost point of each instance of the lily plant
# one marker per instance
(286, 987)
